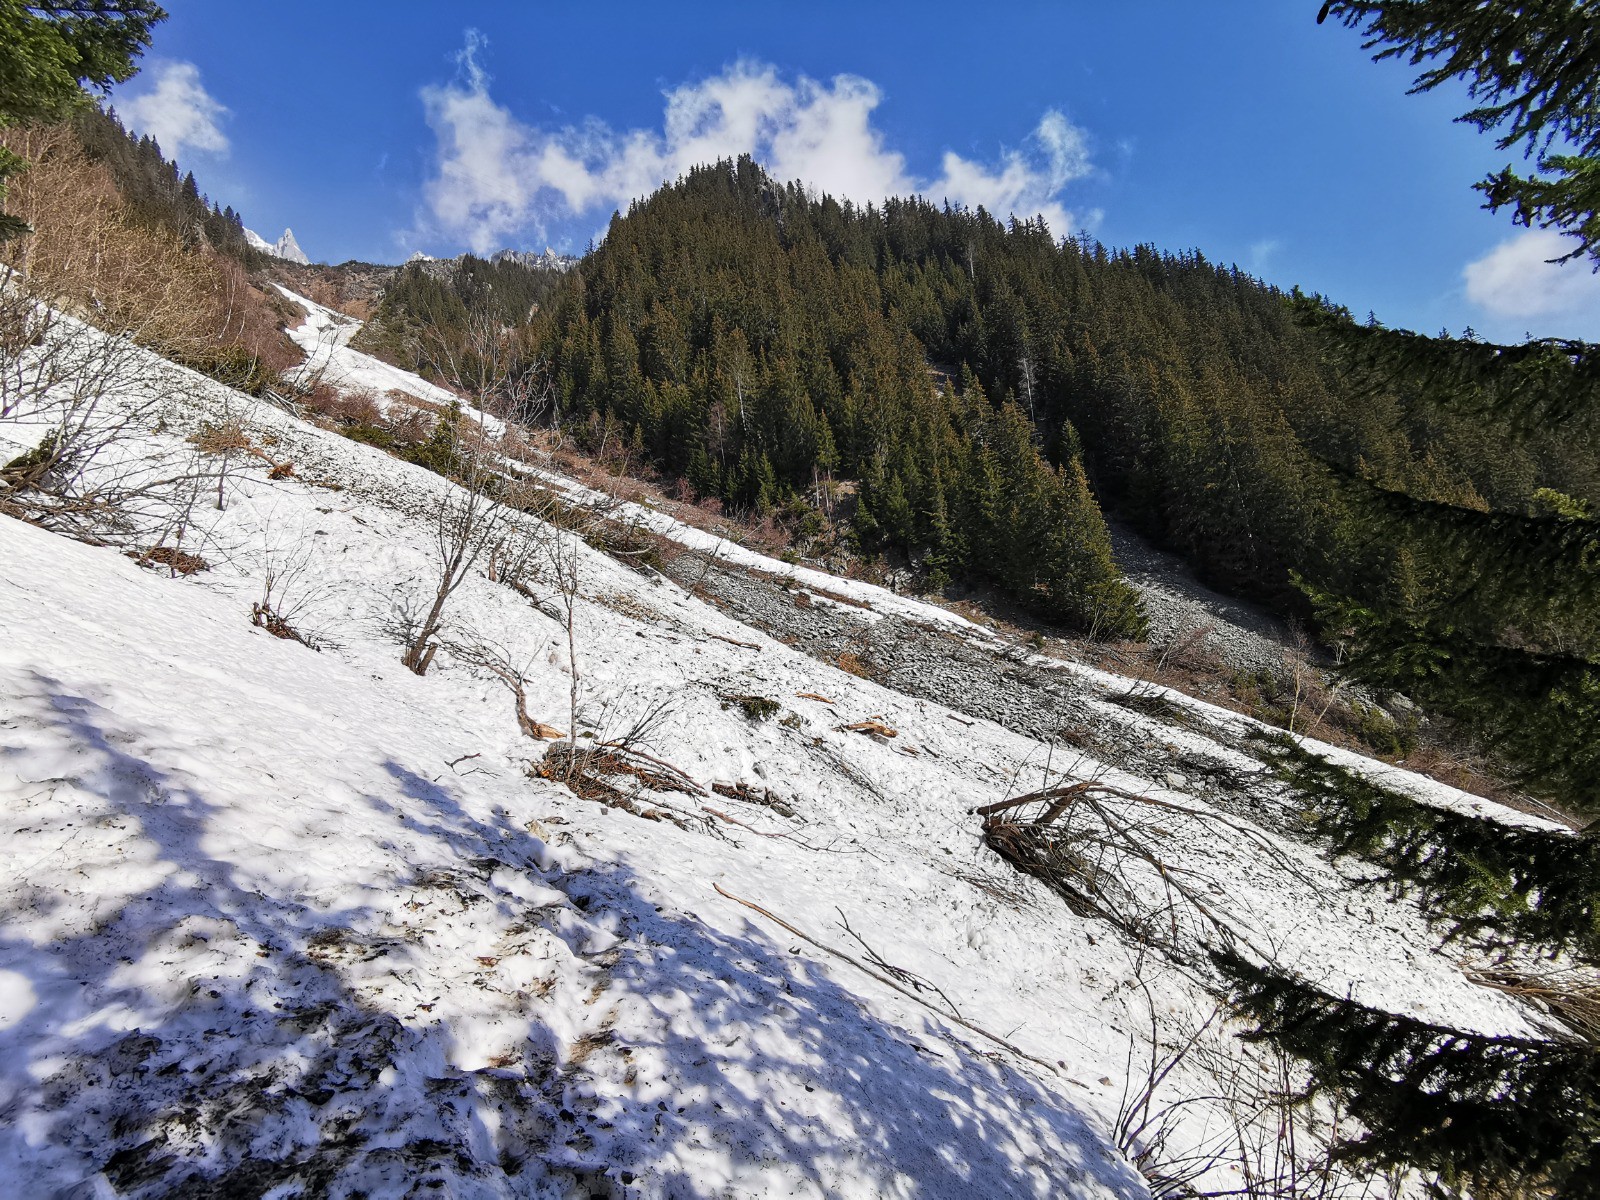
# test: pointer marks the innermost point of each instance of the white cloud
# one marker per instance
(496, 176)
(1262, 252)
(178, 112)
(1515, 281)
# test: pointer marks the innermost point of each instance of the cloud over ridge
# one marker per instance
(496, 176)
(1516, 280)
(178, 112)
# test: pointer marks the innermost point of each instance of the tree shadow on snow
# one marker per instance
(212, 1034)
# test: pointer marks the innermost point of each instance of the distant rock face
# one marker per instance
(548, 261)
(285, 247)
(288, 248)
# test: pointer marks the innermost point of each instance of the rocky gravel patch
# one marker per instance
(1243, 636)
(982, 677)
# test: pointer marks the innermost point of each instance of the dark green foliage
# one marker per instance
(757, 340)
(461, 323)
(755, 708)
(1492, 883)
(1537, 710)
(370, 435)
(1483, 1116)
(234, 366)
(745, 336)
(1492, 609)
(154, 190)
(50, 51)
(441, 453)
(1489, 613)
(1535, 69)
(1539, 383)
(1570, 201)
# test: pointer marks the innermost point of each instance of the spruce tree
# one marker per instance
(1478, 1115)
(1533, 67)
(50, 51)
(1504, 630)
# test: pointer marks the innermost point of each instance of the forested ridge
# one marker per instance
(461, 322)
(746, 337)
(991, 387)
(155, 191)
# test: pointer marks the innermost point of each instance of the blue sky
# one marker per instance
(1239, 128)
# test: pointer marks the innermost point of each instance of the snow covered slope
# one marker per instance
(292, 923)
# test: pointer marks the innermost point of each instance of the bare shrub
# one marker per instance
(1566, 997)
(1188, 647)
(618, 755)
(358, 407)
(1104, 851)
(408, 426)
(89, 256)
(468, 522)
(177, 562)
(479, 355)
(850, 663)
(85, 254)
(291, 590)
(564, 567)
(75, 402)
(1202, 1118)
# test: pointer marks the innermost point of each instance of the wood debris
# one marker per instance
(872, 726)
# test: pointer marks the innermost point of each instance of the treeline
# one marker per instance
(461, 322)
(757, 336)
(1446, 539)
(154, 190)
(758, 340)
(742, 336)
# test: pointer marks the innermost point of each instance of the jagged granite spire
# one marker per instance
(288, 248)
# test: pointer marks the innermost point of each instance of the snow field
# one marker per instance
(303, 922)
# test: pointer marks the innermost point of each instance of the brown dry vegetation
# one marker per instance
(88, 255)
(1305, 699)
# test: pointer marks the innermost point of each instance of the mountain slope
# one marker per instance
(281, 919)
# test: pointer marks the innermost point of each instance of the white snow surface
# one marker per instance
(303, 923)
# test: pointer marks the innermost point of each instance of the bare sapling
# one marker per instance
(74, 403)
(469, 523)
(564, 559)
(1204, 1116)
(512, 671)
(291, 590)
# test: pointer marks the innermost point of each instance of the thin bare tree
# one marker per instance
(564, 559)
(469, 524)
(511, 670)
